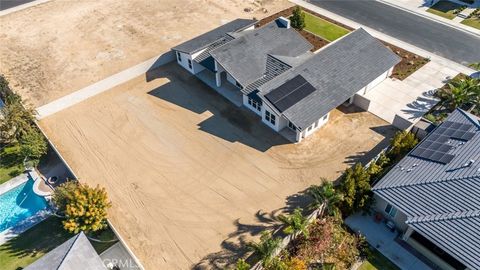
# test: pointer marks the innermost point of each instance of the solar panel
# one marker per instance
(290, 93)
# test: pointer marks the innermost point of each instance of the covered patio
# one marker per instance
(228, 90)
(383, 239)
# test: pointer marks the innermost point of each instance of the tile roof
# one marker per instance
(202, 41)
(245, 57)
(442, 201)
(337, 72)
(74, 254)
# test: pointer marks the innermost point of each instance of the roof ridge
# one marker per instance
(470, 117)
(444, 216)
(69, 248)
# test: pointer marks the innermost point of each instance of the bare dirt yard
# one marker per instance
(56, 48)
(191, 176)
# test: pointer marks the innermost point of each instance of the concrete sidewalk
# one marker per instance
(420, 7)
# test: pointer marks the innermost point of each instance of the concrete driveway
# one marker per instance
(190, 175)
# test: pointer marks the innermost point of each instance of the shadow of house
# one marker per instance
(228, 122)
(388, 131)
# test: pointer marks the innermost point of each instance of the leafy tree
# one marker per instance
(63, 194)
(402, 142)
(356, 190)
(33, 145)
(242, 265)
(16, 119)
(265, 248)
(325, 194)
(85, 208)
(297, 20)
(295, 223)
(377, 167)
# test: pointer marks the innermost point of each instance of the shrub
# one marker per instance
(356, 190)
(402, 143)
(85, 208)
(242, 265)
(297, 20)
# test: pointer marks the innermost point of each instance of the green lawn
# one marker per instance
(377, 261)
(11, 164)
(39, 240)
(473, 22)
(323, 28)
(444, 9)
(32, 244)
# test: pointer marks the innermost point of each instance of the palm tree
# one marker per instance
(325, 195)
(459, 92)
(295, 223)
(266, 247)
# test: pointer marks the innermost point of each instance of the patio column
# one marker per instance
(218, 79)
(407, 234)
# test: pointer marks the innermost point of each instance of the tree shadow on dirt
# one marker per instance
(229, 122)
(387, 131)
(234, 247)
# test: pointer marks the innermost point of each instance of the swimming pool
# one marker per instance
(18, 204)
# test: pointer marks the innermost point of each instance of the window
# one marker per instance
(189, 64)
(390, 210)
(255, 104)
(270, 117)
(179, 57)
(315, 124)
(238, 84)
(292, 126)
(325, 117)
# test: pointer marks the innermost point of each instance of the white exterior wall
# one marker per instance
(314, 127)
(277, 118)
(399, 218)
(375, 82)
(184, 62)
(245, 103)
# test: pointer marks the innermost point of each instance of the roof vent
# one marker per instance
(469, 163)
(283, 22)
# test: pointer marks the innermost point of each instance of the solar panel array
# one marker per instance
(435, 147)
(289, 93)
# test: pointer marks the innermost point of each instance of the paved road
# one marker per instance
(435, 37)
(6, 4)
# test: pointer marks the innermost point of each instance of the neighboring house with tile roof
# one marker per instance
(74, 254)
(272, 71)
(433, 194)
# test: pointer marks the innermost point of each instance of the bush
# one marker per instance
(85, 208)
(297, 20)
(356, 189)
(401, 144)
(242, 265)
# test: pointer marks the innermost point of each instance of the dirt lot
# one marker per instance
(55, 48)
(192, 176)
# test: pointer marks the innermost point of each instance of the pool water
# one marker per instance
(19, 204)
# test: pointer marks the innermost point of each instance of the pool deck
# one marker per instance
(13, 183)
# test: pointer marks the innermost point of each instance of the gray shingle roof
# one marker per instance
(245, 57)
(337, 72)
(74, 254)
(442, 201)
(206, 39)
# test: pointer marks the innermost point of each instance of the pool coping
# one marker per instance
(25, 224)
(14, 182)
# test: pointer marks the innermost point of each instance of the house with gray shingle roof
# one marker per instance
(272, 71)
(433, 194)
(74, 254)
